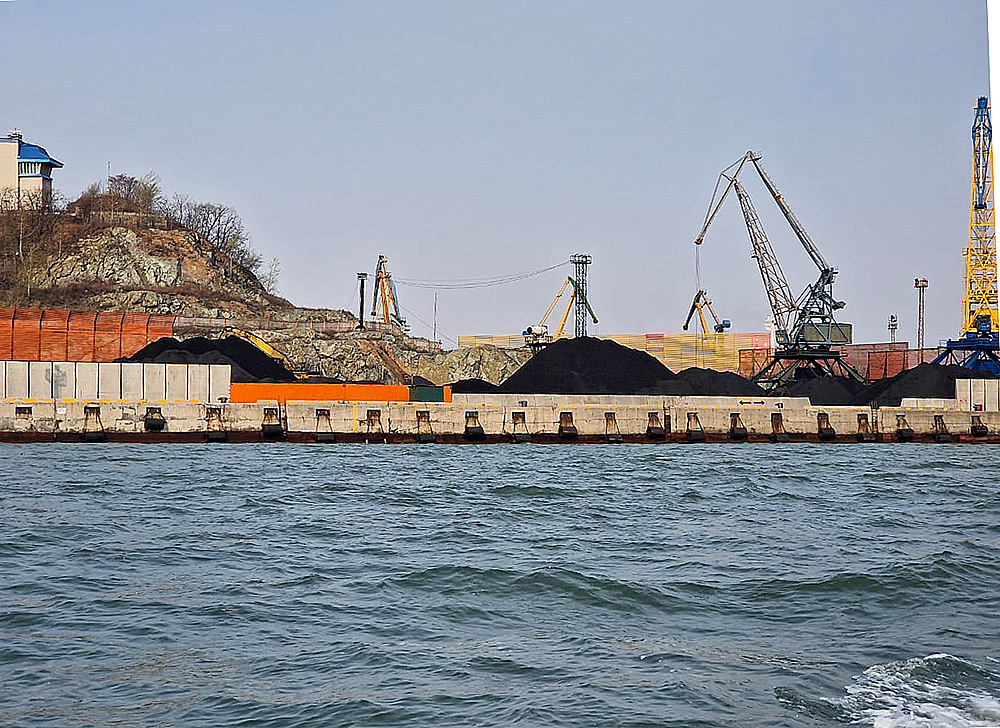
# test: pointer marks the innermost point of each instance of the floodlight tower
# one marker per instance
(580, 262)
(921, 285)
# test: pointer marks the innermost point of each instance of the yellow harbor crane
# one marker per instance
(537, 335)
(980, 297)
(702, 301)
(385, 300)
(978, 345)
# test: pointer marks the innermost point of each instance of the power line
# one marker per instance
(476, 282)
(441, 333)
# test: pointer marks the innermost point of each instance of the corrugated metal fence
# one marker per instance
(28, 334)
(86, 336)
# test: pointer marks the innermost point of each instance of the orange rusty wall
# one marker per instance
(80, 340)
(302, 391)
(54, 335)
(6, 334)
(160, 326)
(134, 332)
(108, 336)
(27, 334)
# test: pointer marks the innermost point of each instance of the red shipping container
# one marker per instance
(108, 336)
(27, 334)
(80, 339)
(54, 333)
(6, 333)
(134, 332)
(160, 326)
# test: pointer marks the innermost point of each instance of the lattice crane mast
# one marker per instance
(806, 329)
(978, 345)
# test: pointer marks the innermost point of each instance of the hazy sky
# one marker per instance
(484, 137)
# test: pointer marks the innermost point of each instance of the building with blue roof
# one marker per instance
(25, 171)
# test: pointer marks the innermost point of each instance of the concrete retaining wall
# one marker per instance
(681, 419)
(978, 395)
(129, 381)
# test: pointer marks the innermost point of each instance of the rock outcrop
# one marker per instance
(160, 271)
(175, 272)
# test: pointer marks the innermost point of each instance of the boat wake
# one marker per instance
(939, 690)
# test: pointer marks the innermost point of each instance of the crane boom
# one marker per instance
(779, 293)
(800, 232)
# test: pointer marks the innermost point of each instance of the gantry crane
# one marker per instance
(537, 335)
(978, 345)
(385, 301)
(702, 301)
(806, 330)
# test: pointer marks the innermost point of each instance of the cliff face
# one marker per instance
(389, 358)
(160, 271)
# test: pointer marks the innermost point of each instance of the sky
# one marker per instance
(469, 139)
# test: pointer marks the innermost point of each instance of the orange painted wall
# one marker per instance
(301, 391)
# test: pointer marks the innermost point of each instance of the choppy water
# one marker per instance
(282, 585)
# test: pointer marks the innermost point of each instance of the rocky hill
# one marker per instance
(138, 268)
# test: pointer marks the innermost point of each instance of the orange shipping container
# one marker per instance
(305, 392)
(27, 334)
(6, 333)
(108, 336)
(53, 335)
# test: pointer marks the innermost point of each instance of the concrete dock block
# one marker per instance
(109, 381)
(197, 383)
(86, 380)
(219, 379)
(176, 377)
(40, 380)
(132, 381)
(17, 380)
(63, 380)
(154, 382)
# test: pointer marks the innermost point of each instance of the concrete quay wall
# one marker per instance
(490, 419)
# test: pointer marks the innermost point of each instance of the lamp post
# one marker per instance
(921, 285)
(362, 277)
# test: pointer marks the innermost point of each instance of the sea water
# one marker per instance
(499, 585)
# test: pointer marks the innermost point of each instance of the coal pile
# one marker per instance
(249, 364)
(593, 366)
(711, 383)
(823, 390)
(935, 381)
(473, 386)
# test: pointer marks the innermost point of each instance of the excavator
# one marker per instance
(537, 335)
(701, 301)
(267, 349)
